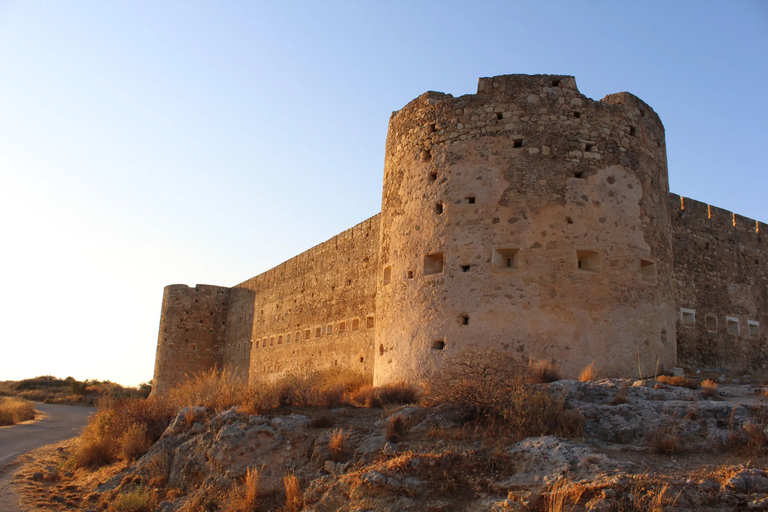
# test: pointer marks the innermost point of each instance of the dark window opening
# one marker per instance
(465, 268)
(648, 271)
(632, 131)
(432, 128)
(439, 208)
(580, 174)
(410, 274)
(362, 359)
(569, 220)
(555, 83)
(506, 259)
(438, 345)
(387, 275)
(433, 176)
(470, 199)
(518, 143)
(576, 114)
(499, 115)
(381, 350)
(433, 263)
(369, 322)
(588, 146)
(588, 261)
(463, 319)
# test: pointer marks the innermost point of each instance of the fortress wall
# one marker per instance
(313, 311)
(191, 338)
(490, 203)
(720, 272)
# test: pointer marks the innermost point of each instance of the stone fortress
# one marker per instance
(526, 218)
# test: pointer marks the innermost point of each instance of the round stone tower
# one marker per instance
(192, 328)
(527, 218)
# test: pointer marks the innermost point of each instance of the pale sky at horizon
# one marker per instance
(149, 143)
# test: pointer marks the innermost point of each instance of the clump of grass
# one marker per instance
(15, 410)
(244, 497)
(218, 390)
(490, 387)
(683, 382)
(389, 394)
(135, 442)
(665, 440)
(294, 500)
(709, 388)
(543, 371)
(337, 444)
(395, 429)
(136, 498)
(621, 396)
(563, 493)
(589, 373)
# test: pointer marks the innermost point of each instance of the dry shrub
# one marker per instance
(135, 442)
(306, 388)
(489, 386)
(588, 373)
(390, 394)
(337, 444)
(133, 499)
(561, 494)
(621, 396)
(15, 410)
(395, 429)
(665, 440)
(683, 382)
(709, 388)
(294, 500)
(218, 390)
(244, 497)
(543, 371)
(749, 439)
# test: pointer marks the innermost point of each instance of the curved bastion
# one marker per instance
(526, 218)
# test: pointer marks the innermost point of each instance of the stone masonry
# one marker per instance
(527, 218)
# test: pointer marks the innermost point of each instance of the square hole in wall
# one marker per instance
(505, 259)
(465, 268)
(432, 127)
(754, 328)
(409, 274)
(687, 317)
(439, 208)
(648, 271)
(355, 324)
(518, 143)
(732, 325)
(710, 321)
(387, 275)
(499, 116)
(555, 83)
(433, 263)
(432, 176)
(438, 345)
(342, 327)
(463, 319)
(369, 323)
(469, 199)
(588, 261)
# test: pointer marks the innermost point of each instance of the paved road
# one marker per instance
(62, 422)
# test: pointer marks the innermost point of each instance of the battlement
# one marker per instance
(693, 213)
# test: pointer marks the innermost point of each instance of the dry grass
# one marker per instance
(666, 441)
(218, 390)
(683, 382)
(543, 371)
(294, 500)
(135, 442)
(245, 496)
(15, 410)
(589, 373)
(489, 387)
(133, 499)
(337, 444)
(621, 396)
(709, 388)
(391, 394)
(561, 494)
(395, 429)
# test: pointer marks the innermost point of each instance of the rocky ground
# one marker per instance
(646, 446)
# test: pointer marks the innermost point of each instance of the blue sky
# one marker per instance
(150, 143)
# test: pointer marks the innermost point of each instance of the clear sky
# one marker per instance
(146, 143)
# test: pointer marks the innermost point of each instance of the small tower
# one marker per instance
(192, 328)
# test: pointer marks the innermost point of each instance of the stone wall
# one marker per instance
(313, 311)
(721, 285)
(191, 338)
(526, 218)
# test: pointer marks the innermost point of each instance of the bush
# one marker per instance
(390, 394)
(395, 430)
(683, 382)
(134, 499)
(15, 410)
(489, 386)
(338, 444)
(709, 388)
(543, 371)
